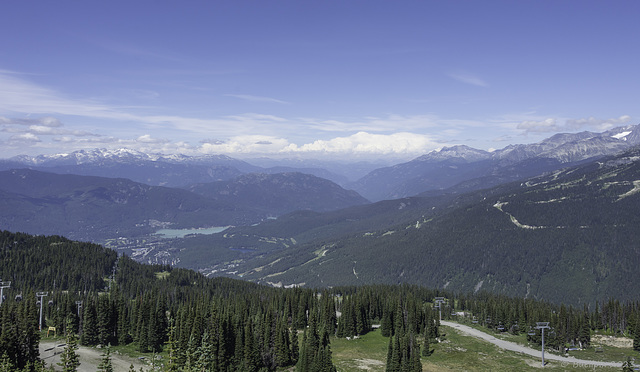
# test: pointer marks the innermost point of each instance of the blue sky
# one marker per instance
(341, 79)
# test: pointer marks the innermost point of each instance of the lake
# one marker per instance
(181, 233)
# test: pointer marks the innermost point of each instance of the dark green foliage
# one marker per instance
(627, 366)
(48, 262)
(315, 354)
(19, 336)
(69, 360)
(636, 334)
(426, 345)
(90, 330)
(105, 363)
(225, 324)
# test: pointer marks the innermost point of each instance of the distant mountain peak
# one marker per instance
(458, 151)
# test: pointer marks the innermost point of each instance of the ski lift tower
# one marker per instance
(439, 301)
(542, 326)
(41, 295)
(3, 285)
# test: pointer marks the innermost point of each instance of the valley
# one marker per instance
(528, 220)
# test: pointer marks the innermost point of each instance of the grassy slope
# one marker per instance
(456, 353)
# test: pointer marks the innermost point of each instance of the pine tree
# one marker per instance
(170, 348)
(636, 336)
(204, 355)
(294, 346)
(90, 331)
(426, 345)
(389, 363)
(5, 363)
(105, 364)
(386, 325)
(123, 322)
(69, 360)
(104, 320)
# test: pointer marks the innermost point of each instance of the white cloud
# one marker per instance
(371, 144)
(26, 137)
(361, 143)
(542, 126)
(596, 124)
(249, 144)
(552, 125)
(248, 97)
(390, 123)
(46, 121)
(148, 139)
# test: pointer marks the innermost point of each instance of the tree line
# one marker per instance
(222, 324)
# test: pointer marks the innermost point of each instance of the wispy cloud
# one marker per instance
(252, 98)
(468, 78)
(597, 124)
(361, 143)
(389, 123)
(552, 125)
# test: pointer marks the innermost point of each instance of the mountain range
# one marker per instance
(568, 236)
(472, 169)
(97, 208)
(532, 220)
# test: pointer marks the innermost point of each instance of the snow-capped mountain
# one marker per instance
(440, 169)
(152, 169)
(122, 155)
(175, 170)
(461, 152)
(473, 169)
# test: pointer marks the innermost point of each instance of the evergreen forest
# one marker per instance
(96, 298)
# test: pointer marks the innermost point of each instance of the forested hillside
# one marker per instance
(221, 324)
(280, 193)
(569, 236)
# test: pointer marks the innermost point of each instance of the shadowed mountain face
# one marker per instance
(95, 208)
(281, 193)
(568, 236)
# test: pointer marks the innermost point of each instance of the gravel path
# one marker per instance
(508, 345)
(89, 358)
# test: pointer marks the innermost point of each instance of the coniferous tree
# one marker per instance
(386, 325)
(426, 345)
(90, 330)
(251, 360)
(5, 364)
(123, 325)
(170, 348)
(69, 360)
(104, 320)
(106, 364)
(388, 364)
(636, 336)
(294, 346)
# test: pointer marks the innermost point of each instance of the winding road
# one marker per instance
(508, 345)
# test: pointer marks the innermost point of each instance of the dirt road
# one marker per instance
(89, 358)
(507, 345)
